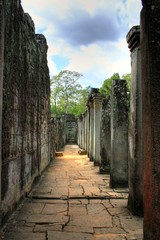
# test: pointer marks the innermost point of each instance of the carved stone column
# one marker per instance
(105, 137)
(97, 102)
(135, 202)
(150, 47)
(80, 131)
(91, 130)
(88, 131)
(119, 135)
(1, 88)
(78, 137)
(83, 131)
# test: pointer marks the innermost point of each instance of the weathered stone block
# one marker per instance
(135, 202)
(26, 104)
(119, 135)
(150, 47)
(105, 137)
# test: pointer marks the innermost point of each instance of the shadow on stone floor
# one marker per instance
(73, 201)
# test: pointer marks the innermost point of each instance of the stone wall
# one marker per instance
(71, 128)
(26, 117)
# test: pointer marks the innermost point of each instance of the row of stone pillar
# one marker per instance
(144, 131)
(144, 121)
(89, 127)
(90, 130)
(108, 140)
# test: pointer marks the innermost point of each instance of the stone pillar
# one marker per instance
(119, 135)
(79, 127)
(80, 131)
(135, 201)
(150, 47)
(1, 89)
(97, 102)
(83, 131)
(105, 137)
(91, 126)
(88, 131)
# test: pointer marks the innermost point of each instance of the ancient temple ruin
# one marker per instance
(26, 129)
(123, 143)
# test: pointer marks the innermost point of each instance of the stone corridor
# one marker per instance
(73, 201)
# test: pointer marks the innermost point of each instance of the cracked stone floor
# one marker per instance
(73, 201)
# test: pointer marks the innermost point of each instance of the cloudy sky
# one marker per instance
(87, 36)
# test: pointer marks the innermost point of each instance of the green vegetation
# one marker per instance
(67, 95)
(106, 87)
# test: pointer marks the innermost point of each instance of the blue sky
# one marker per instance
(87, 36)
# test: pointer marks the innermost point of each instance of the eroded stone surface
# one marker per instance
(25, 236)
(77, 216)
(69, 236)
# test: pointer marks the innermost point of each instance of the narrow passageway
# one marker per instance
(73, 201)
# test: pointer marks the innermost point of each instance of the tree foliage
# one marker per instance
(127, 77)
(67, 95)
(106, 87)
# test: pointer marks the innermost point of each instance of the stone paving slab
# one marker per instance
(73, 201)
(110, 230)
(25, 236)
(53, 209)
(43, 219)
(91, 220)
(69, 236)
(77, 210)
(80, 229)
(111, 237)
(47, 227)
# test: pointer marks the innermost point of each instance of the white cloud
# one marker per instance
(94, 56)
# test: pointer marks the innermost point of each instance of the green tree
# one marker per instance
(78, 106)
(67, 95)
(106, 87)
(127, 77)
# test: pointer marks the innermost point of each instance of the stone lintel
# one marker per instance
(93, 91)
(98, 97)
(133, 38)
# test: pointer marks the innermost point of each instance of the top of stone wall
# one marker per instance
(30, 22)
(94, 93)
(71, 117)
